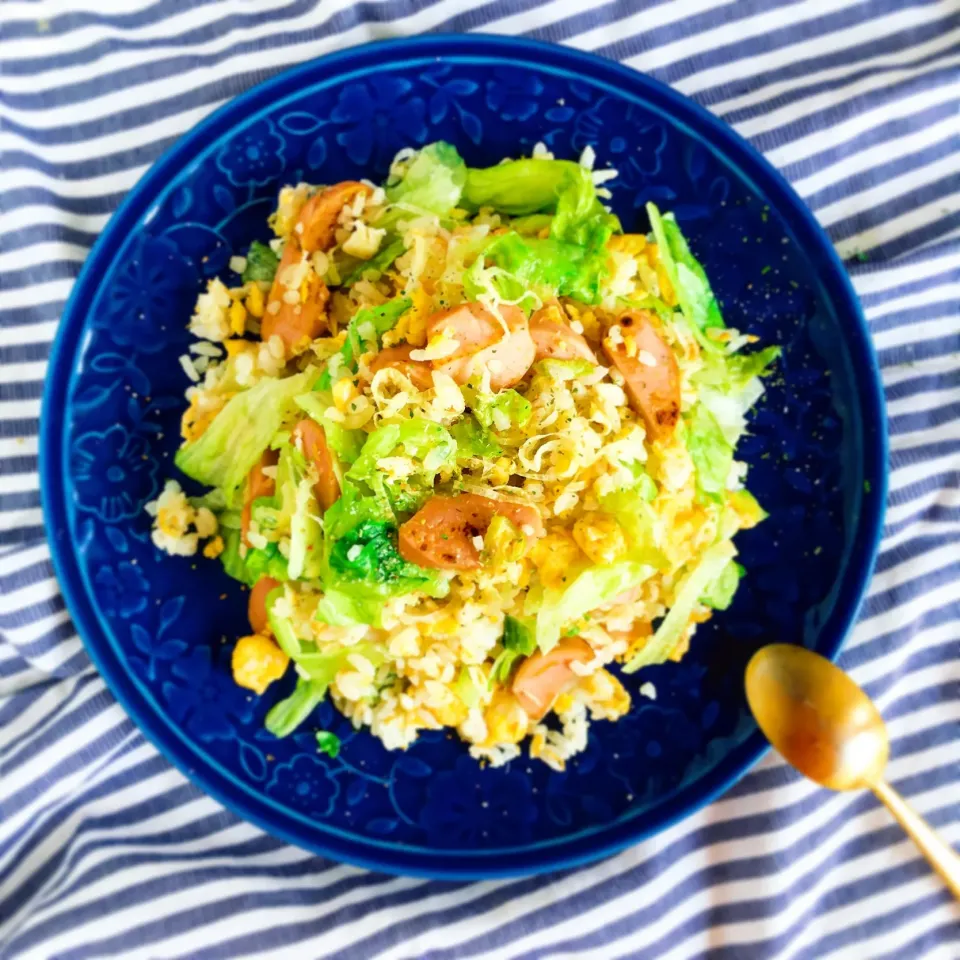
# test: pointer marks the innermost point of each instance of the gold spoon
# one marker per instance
(826, 727)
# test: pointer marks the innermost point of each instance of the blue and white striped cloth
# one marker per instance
(105, 850)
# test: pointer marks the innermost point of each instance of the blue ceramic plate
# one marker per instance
(160, 631)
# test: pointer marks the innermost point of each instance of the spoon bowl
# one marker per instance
(816, 717)
(826, 727)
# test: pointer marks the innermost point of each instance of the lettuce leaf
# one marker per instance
(710, 450)
(518, 640)
(580, 217)
(548, 266)
(227, 451)
(562, 607)
(284, 717)
(719, 594)
(518, 187)
(380, 261)
(659, 646)
(306, 535)
(345, 444)
(362, 566)
(363, 333)
(262, 263)
(248, 569)
(432, 182)
(473, 440)
(428, 443)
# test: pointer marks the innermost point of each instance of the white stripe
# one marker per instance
(876, 156)
(884, 192)
(944, 292)
(28, 333)
(919, 332)
(40, 254)
(25, 297)
(821, 45)
(813, 105)
(22, 373)
(114, 100)
(825, 138)
(889, 230)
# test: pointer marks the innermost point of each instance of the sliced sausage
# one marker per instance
(317, 223)
(542, 677)
(308, 435)
(258, 485)
(483, 343)
(257, 604)
(554, 340)
(652, 387)
(440, 534)
(296, 324)
(419, 373)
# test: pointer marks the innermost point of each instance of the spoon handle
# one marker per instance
(940, 855)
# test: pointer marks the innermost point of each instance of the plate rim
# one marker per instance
(222, 786)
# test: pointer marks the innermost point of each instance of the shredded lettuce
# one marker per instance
(345, 444)
(362, 566)
(518, 187)
(719, 594)
(432, 182)
(284, 717)
(363, 334)
(518, 640)
(560, 608)
(668, 634)
(227, 451)
(499, 411)
(429, 444)
(473, 440)
(710, 450)
(379, 262)
(262, 263)
(306, 535)
(255, 564)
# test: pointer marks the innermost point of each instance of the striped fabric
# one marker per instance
(106, 851)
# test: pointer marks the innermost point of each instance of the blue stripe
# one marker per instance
(896, 206)
(44, 233)
(69, 22)
(921, 235)
(907, 353)
(798, 94)
(884, 132)
(860, 103)
(904, 318)
(897, 167)
(901, 40)
(35, 313)
(871, 300)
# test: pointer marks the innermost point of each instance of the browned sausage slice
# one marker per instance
(483, 343)
(541, 678)
(258, 485)
(554, 340)
(312, 441)
(441, 533)
(317, 223)
(418, 372)
(257, 604)
(296, 324)
(650, 372)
